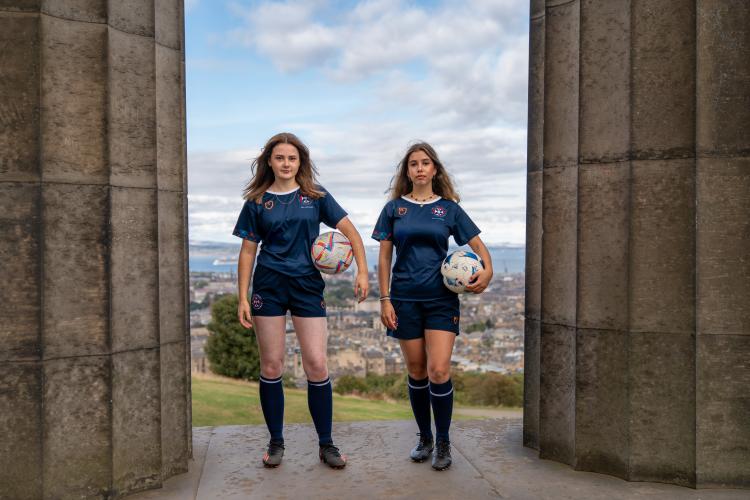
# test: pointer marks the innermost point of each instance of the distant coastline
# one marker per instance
(203, 254)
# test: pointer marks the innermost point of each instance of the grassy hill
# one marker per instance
(225, 401)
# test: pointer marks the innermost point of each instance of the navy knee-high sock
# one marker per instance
(419, 396)
(272, 402)
(441, 396)
(320, 402)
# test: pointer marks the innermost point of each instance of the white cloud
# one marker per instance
(453, 74)
(356, 164)
(464, 62)
(286, 32)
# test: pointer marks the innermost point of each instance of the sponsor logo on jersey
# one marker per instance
(257, 301)
(402, 210)
(268, 204)
(438, 211)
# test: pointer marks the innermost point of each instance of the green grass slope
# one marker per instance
(222, 401)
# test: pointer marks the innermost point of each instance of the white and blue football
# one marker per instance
(458, 267)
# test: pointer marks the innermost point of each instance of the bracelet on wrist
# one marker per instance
(385, 297)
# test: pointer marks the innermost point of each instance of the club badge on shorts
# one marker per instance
(257, 301)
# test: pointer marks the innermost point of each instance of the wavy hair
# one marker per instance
(442, 184)
(263, 174)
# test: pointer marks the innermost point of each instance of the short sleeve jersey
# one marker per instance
(420, 234)
(286, 224)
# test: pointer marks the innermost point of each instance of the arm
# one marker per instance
(387, 313)
(244, 273)
(481, 279)
(361, 283)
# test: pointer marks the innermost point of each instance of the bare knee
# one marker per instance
(417, 370)
(439, 373)
(316, 369)
(271, 368)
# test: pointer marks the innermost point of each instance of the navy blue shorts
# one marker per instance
(274, 294)
(414, 317)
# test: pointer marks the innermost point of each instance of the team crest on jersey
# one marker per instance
(402, 210)
(268, 204)
(305, 200)
(257, 301)
(438, 211)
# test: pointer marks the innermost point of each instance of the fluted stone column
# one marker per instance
(638, 239)
(94, 371)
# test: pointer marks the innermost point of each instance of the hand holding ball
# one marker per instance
(331, 253)
(458, 268)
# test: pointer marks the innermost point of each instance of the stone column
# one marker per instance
(638, 276)
(94, 371)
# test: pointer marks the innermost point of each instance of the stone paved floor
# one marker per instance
(489, 462)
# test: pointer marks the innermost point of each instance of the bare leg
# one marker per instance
(415, 357)
(269, 330)
(439, 347)
(312, 334)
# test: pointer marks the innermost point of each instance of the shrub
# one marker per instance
(349, 384)
(489, 389)
(231, 349)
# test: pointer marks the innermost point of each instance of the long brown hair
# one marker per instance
(442, 184)
(263, 174)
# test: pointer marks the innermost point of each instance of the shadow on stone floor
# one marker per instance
(489, 462)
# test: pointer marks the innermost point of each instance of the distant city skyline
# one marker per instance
(358, 81)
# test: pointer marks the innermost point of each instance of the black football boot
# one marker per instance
(422, 451)
(441, 459)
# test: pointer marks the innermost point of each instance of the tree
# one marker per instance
(231, 349)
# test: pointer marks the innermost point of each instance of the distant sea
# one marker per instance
(202, 256)
(205, 263)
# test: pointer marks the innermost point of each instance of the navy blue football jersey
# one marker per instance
(420, 234)
(286, 224)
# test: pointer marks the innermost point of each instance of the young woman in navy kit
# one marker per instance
(283, 209)
(415, 306)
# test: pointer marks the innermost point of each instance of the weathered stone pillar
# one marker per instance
(94, 371)
(638, 239)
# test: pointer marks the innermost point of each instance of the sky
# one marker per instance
(358, 81)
